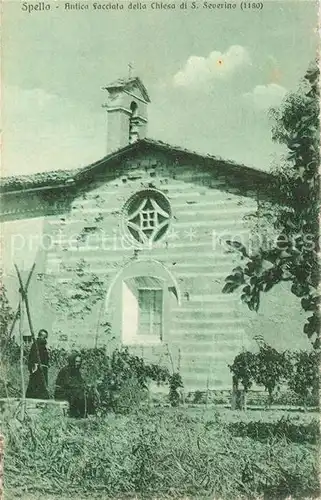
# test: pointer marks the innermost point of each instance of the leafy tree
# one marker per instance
(293, 254)
(299, 370)
(305, 378)
(273, 368)
(244, 369)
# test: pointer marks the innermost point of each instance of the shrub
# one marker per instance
(6, 313)
(197, 397)
(120, 377)
(305, 377)
(115, 381)
(175, 383)
(9, 353)
(10, 374)
(272, 369)
(129, 395)
(283, 428)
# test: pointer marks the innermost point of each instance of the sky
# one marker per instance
(211, 74)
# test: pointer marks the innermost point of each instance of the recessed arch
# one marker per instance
(122, 274)
(139, 302)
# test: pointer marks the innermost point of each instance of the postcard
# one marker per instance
(160, 300)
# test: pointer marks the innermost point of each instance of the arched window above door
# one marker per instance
(142, 298)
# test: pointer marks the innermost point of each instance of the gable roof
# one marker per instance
(127, 84)
(234, 173)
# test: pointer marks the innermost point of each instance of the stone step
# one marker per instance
(197, 313)
(210, 298)
(212, 335)
(206, 323)
(216, 348)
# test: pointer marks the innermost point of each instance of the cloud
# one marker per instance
(267, 96)
(202, 70)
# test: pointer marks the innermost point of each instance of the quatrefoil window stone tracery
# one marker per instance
(147, 215)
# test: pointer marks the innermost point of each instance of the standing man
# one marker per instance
(38, 363)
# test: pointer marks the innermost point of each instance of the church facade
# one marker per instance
(133, 250)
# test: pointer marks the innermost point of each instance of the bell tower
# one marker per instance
(126, 108)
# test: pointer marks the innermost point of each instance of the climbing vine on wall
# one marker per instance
(77, 295)
(81, 290)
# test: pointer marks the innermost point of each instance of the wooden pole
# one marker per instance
(100, 313)
(207, 389)
(170, 358)
(25, 299)
(23, 387)
(16, 316)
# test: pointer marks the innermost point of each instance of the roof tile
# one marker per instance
(58, 177)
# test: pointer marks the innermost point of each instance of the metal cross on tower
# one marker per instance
(130, 69)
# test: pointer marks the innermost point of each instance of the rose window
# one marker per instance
(147, 215)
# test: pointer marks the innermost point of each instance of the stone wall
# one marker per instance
(87, 255)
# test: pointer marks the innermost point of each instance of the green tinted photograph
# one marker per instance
(160, 250)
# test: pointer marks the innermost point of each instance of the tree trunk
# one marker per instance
(270, 397)
(234, 396)
(243, 400)
(238, 396)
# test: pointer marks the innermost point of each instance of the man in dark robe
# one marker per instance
(70, 386)
(38, 362)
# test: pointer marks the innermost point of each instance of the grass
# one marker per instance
(75, 496)
(157, 453)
